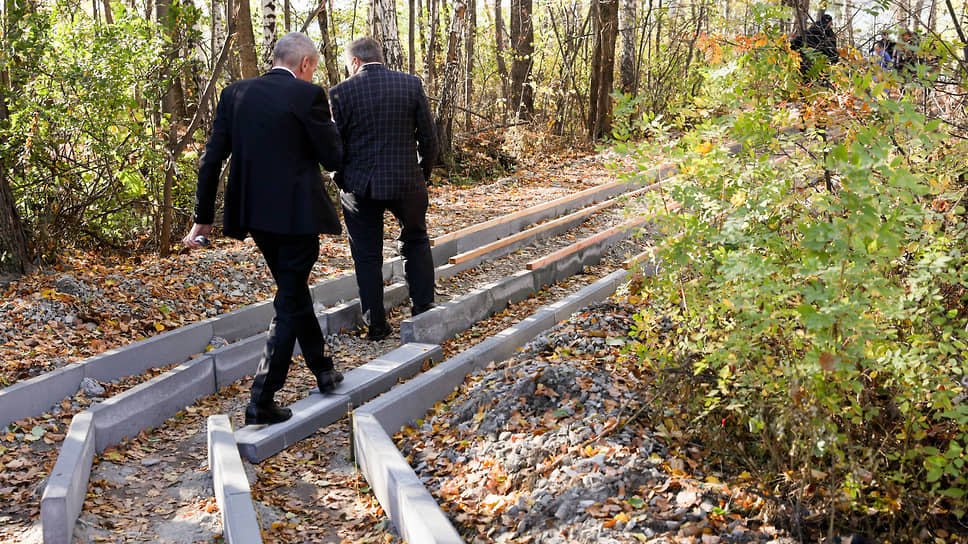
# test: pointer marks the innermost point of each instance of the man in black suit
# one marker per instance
(385, 121)
(278, 130)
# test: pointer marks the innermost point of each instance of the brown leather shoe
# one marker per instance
(258, 414)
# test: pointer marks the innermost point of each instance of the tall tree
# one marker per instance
(469, 29)
(603, 69)
(430, 59)
(14, 252)
(245, 42)
(627, 67)
(384, 28)
(327, 48)
(411, 44)
(269, 33)
(522, 46)
(444, 115)
(499, 40)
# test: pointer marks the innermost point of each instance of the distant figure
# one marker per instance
(881, 57)
(817, 47)
(907, 56)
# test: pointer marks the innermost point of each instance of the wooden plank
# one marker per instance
(534, 231)
(521, 213)
(578, 246)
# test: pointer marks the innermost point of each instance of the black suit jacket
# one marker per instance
(384, 119)
(278, 130)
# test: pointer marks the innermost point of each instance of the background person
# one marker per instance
(278, 130)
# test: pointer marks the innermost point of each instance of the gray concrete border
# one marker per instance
(66, 488)
(259, 442)
(150, 403)
(240, 523)
(397, 487)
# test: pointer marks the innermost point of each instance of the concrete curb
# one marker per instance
(397, 487)
(151, 403)
(240, 523)
(66, 488)
(259, 442)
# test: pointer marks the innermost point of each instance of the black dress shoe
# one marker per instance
(327, 380)
(417, 310)
(378, 332)
(258, 414)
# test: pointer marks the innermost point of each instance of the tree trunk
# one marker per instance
(469, 31)
(287, 15)
(269, 34)
(245, 43)
(627, 69)
(328, 50)
(14, 253)
(108, 14)
(444, 116)
(169, 106)
(603, 69)
(933, 17)
(430, 59)
(411, 44)
(522, 44)
(499, 38)
(384, 28)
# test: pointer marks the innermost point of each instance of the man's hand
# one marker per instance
(199, 232)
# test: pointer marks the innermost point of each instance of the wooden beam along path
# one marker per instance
(591, 240)
(536, 230)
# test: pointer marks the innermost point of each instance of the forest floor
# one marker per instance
(580, 459)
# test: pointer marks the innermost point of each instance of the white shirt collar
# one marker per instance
(278, 67)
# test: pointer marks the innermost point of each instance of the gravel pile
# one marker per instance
(553, 447)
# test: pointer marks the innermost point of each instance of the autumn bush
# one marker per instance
(809, 317)
(84, 151)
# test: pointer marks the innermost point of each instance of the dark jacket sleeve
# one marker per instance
(325, 139)
(217, 149)
(427, 144)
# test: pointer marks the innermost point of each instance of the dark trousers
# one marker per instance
(364, 227)
(290, 258)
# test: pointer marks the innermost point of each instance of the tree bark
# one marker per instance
(245, 42)
(469, 31)
(444, 115)
(522, 45)
(327, 49)
(287, 15)
(430, 59)
(14, 252)
(269, 34)
(384, 28)
(603, 69)
(411, 44)
(108, 14)
(499, 38)
(627, 69)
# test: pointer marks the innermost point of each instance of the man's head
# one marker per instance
(298, 53)
(826, 20)
(362, 51)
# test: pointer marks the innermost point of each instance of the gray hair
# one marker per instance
(365, 49)
(291, 48)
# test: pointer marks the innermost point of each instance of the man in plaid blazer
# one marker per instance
(389, 149)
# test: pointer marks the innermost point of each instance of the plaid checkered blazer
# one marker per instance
(388, 132)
